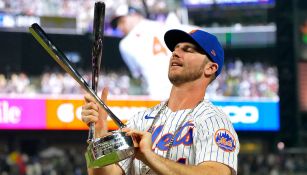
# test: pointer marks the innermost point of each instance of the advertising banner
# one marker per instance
(22, 113)
(65, 114)
(252, 115)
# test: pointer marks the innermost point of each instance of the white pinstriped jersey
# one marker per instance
(206, 135)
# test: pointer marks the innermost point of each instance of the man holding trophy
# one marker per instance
(185, 134)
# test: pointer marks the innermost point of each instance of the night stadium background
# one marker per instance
(262, 87)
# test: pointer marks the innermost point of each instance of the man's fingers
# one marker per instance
(104, 94)
(126, 129)
(88, 98)
(93, 113)
(89, 119)
(131, 132)
(89, 112)
(90, 106)
(134, 135)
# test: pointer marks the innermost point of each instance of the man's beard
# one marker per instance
(187, 75)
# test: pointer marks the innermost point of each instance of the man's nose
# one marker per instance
(176, 52)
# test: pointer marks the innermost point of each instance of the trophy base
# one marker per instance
(108, 150)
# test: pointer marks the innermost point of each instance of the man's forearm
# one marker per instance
(165, 166)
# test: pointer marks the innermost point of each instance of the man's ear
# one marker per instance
(211, 68)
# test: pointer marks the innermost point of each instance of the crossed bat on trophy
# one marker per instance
(116, 146)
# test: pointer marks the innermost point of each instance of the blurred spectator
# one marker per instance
(3, 83)
(17, 83)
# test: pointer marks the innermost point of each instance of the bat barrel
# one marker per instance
(98, 32)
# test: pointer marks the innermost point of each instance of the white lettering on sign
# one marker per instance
(9, 114)
(125, 113)
(78, 112)
(66, 112)
(243, 114)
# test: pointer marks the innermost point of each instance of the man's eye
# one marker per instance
(188, 49)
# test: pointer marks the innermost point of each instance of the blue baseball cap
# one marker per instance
(206, 41)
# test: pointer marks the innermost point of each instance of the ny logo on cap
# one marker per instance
(193, 31)
(213, 52)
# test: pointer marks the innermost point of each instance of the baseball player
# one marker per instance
(185, 134)
(143, 50)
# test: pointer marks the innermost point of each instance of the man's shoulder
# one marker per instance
(207, 110)
(151, 109)
(208, 107)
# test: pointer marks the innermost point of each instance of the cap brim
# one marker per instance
(114, 21)
(173, 37)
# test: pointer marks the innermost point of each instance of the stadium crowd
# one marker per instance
(55, 83)
(80, 11)
(71, 8)
(56, 161)
(245, 80)
(236, 80)
(52, 161)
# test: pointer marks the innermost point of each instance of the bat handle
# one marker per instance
(91, 133)
(95, 75)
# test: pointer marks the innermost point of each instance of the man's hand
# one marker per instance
(142, 142)
(92, 112)
(161, 165)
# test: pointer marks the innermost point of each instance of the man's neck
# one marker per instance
(186, 96)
